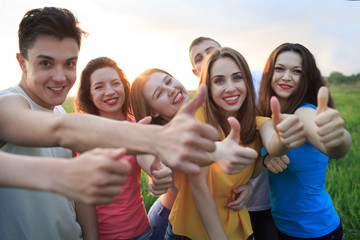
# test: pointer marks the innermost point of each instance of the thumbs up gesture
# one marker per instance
(184, 143)
(288, 126)
(329, 122)
(161, 178)
(231, 156)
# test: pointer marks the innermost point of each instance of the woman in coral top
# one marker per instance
(105, 91)
(202, 208)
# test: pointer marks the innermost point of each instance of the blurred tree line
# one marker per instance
(339, 78)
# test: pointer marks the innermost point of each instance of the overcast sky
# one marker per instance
(157, 33)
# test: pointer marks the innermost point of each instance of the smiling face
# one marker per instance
(165, 95)
(107, 93)
(49, 71)
(228, 88)
(287, 75)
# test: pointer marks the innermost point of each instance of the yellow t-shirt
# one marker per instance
(184, 218)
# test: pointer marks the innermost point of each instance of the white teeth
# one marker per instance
(231, 99)
(178, 96)
(111, 101)
(56, 89)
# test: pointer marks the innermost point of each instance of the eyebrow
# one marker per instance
(51, 58)
(164, 79)
(285, 65)
(207, 49)
(235, 73)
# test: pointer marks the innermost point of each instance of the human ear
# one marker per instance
(22, 62)
(154, 114)
(195, 72)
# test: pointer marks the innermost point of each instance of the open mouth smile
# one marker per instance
(112, 101)
(178, 98)
(231, 99)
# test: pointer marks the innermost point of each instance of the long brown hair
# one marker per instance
(308, 86)
(140, 106)
(83, 101)
(246, 115)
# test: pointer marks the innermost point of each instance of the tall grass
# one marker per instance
(343, 175)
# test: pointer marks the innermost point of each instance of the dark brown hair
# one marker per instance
(58, 22)
(83, 101)
(308, 86)
(246, 115)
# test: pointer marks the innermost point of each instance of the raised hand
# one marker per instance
(329, 122)
(161, 178)
(184, 143)
(94, 177)
(288, 126)
(276, 164)
(242, 195)
(232, 157)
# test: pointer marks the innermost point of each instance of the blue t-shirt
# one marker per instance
(300, 205)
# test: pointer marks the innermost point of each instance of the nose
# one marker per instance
(229, 86)
(109, 90)
(59, 74)
(287, 75)
(170, 91)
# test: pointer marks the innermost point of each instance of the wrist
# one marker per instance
(263, 160)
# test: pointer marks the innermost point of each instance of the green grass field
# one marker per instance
(343, 176)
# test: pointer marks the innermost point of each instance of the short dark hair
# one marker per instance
(58, 22)
(199, 40)
(309, 85)
(83, 101)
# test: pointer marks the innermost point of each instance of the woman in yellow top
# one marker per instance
(203, 207)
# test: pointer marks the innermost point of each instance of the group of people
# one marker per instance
(246, 158)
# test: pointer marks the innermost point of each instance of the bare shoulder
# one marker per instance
(13, 101)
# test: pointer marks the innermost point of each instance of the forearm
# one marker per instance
(82, 132)
(275, 147)
(87, 218)
(29, 172)
(259, 167)
(206, 208)
(341, 150)
(271, 140)
(145, 162)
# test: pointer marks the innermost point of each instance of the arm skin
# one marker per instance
(182, 144)
(162, 176)
(243, 193)
(284, 131)
(87, 218)
(93, 178)
(205, 205)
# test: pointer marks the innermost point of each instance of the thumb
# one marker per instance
(145, 120)
(322, 100)
(275, 109)
(235, 129)
(155, 165)
(115, 153)
(192, 106)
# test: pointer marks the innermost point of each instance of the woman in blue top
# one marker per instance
(301, 207)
